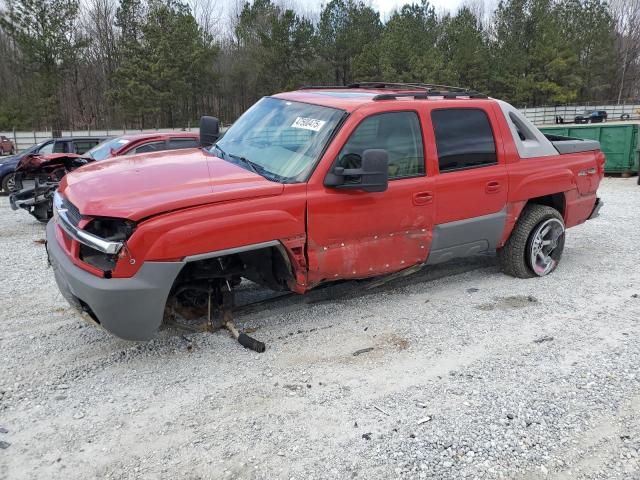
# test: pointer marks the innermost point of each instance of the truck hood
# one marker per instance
(140, 186)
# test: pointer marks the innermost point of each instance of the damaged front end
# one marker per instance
(37, 178)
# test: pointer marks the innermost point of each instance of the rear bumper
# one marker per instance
(130, 308)
(596, 209)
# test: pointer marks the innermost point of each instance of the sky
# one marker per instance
(386, 7)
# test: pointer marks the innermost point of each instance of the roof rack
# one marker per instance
(426, 90)
(432, 93)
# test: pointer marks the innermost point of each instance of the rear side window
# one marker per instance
(60, 147)
(398, 133)
(149, 147)
(464, 139)
(82, 146)
(176, 143)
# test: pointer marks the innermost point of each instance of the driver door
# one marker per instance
(358, 234)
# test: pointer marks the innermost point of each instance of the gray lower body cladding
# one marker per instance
(467, 237)
(596, 208)
(130, 308)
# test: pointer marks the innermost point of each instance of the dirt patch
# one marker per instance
(511, 302)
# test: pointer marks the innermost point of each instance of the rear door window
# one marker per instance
(464, 139)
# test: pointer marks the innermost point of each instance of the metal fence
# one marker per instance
(24, 140)
(548, 115)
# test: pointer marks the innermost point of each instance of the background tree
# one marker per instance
(166, 64)
(348, 32)
(464, 48)
(161, 63)
(408, 49)
(46, 42)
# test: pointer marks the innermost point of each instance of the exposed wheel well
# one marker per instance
(268, 267)
(556, 200)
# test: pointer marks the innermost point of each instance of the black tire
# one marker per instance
(515, 256)
(13, 151)
(5, 183)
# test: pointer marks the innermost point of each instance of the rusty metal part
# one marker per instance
(227, 321)
(243, 339)
(217, 315)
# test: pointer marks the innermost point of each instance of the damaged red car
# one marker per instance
(314, 186)
(37, 176)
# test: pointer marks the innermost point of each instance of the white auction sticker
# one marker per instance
(308, 124)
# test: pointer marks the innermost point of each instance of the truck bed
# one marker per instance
(572, 145)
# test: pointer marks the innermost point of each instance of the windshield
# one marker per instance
(279, 139)
(103, 150)
(32, 148)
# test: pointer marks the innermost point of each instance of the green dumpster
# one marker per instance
(619, 143)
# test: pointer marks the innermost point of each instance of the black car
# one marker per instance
(77, 145)
(592, 116)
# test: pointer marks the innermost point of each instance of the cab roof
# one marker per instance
(353, 96)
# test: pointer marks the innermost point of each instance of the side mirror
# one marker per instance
(209, 131)
(372, 176)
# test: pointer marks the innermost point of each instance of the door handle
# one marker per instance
(493, 187)
(422, 198)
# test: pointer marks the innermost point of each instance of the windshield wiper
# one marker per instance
(254, 167)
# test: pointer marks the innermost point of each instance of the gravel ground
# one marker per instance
(471, 374)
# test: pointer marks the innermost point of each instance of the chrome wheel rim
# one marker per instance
(11, 183)
(544, 242)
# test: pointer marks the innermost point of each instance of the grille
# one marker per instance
(73, 214)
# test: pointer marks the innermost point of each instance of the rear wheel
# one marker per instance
(536, 243)
(8, 182)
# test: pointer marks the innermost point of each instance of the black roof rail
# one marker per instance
(410, 85)
(390, 85)
(324, 87)
(426, 90)
(432, 93)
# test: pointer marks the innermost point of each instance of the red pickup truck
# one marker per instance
(313, 186)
